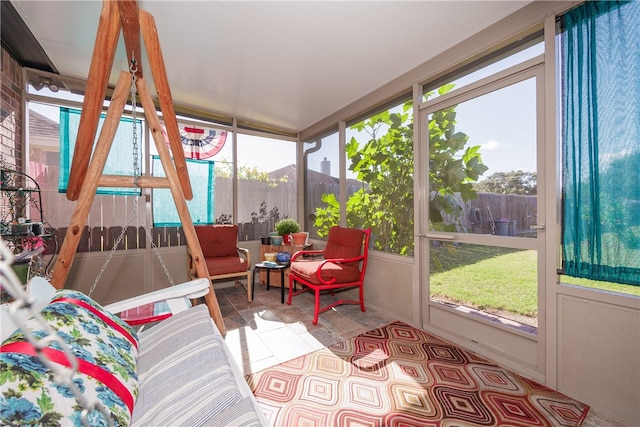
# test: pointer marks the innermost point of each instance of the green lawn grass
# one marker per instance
(487, 278)
(495, 280)
(606, 286)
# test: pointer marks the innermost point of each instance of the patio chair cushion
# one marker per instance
(344, 243)
(226, 265)
(343, 273)
(106, 350)
(218, 240)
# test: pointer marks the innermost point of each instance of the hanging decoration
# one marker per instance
(199, 145)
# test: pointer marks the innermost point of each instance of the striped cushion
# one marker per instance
(165, 340)
(185, 375)
(242, 414)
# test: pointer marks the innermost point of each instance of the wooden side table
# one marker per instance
(268, 269)
(274, 273)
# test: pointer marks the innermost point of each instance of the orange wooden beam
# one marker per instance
(159, 73)
(153, 122)
(129, 18)
(99, 71)
(88, 188)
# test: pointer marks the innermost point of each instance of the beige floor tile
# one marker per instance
(246, 346)
(312, 341)
(285, 344)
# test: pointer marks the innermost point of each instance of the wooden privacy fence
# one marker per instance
(102, 239)
(512, 214)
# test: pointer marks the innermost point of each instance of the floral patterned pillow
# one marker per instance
(107, 354)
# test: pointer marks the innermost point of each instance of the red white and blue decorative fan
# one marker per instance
(198, 145)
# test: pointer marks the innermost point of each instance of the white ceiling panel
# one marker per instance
(286, 64)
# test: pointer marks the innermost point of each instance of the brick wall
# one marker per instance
(11, 110)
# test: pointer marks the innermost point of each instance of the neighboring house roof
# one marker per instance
(40, 125)
(289, 171)
(312, 176)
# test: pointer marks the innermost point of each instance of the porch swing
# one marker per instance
(87, 365)
(86, 169)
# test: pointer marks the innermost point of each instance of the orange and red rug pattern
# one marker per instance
(401, 376)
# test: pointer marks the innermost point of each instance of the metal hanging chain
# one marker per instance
(136, 167)
(133, 69)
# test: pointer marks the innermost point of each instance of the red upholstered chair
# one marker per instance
(223, 257)
(343, 265)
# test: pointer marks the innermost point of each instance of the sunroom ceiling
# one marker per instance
(285, 64)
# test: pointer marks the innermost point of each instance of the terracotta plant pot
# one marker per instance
(299, 239)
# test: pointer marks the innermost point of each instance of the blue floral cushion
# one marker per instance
(106, 349)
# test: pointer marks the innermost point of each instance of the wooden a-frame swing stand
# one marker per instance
(86, 173)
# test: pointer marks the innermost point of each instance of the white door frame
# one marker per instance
(495, 341)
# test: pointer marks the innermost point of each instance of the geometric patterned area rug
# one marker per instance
(397, 376)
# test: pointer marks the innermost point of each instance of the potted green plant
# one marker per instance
(285, 227)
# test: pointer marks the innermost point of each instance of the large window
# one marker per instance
(322, 181)
(266, 180)
(379, 179)
(267, 183)
(108, 212)
(379, 158)
(483, 143)
(483, 163)
(205, 148)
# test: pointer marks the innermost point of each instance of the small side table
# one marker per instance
(268, 268)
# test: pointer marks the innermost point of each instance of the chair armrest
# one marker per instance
(309, 252)
(342, 260)
(335, 261)
(191, 290)
(247, 255)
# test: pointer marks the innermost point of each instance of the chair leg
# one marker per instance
(317, 309)
(362, 299)
(249, 287)
(290, 290)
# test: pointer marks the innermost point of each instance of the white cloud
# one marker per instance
(491, 145)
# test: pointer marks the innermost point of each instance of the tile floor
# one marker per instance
(265, 332)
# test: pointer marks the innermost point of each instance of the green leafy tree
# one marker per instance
(224, 169)
(453, 169)
(514, 182)
(385, 164)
